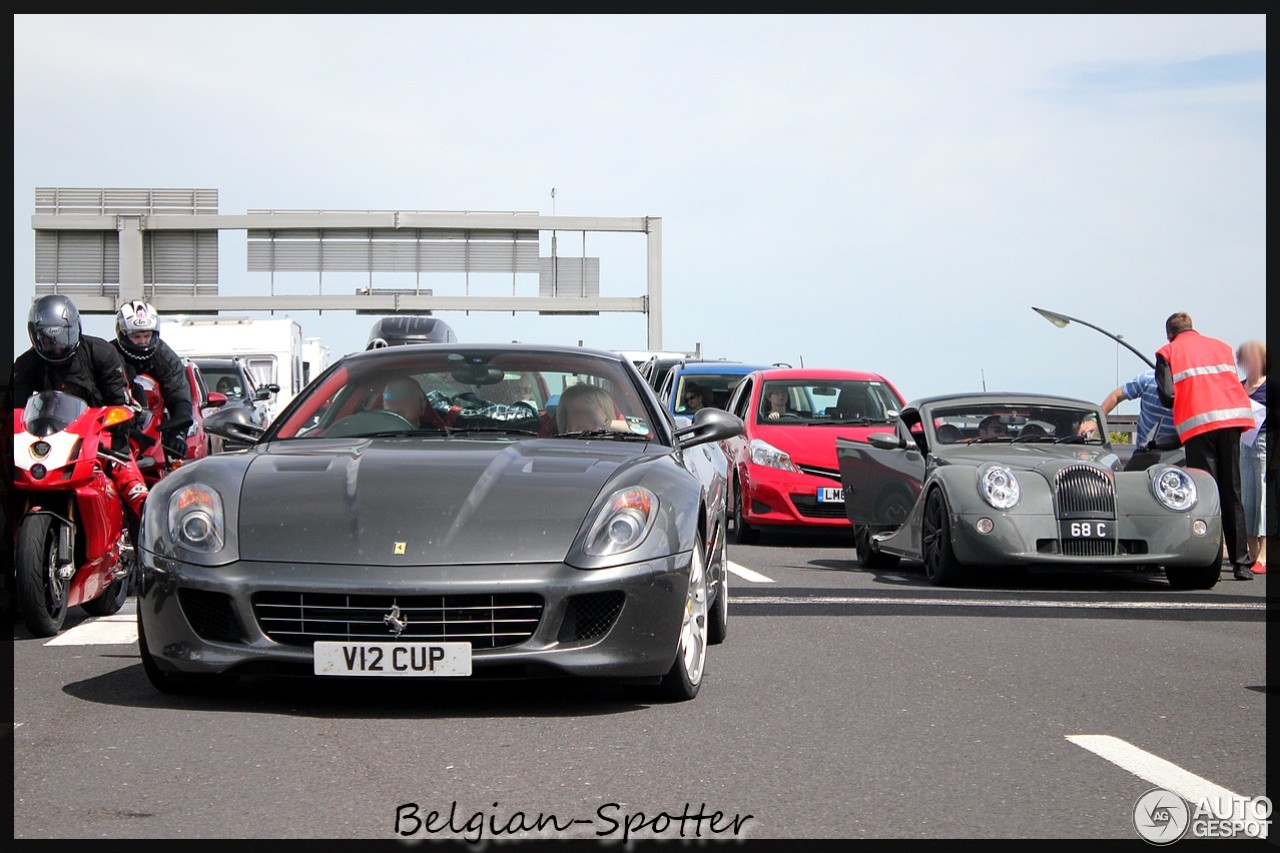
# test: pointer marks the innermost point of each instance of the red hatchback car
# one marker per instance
(783, 468)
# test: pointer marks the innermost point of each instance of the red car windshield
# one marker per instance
(847, 402)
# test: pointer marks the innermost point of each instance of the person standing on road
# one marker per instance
(1252, 358)
(1196, 377)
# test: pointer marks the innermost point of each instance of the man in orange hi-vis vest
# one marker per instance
(1196, 376)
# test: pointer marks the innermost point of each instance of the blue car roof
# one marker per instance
(721, 368)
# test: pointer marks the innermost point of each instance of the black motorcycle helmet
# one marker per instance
(54, 328)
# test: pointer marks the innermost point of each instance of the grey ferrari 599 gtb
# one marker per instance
(446, 511)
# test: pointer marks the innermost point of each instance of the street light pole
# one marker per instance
(1062, 321)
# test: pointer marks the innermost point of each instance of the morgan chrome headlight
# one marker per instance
(623, 523)
(764, 453)
(1000, 487)
(196, 520)
(1174, 488)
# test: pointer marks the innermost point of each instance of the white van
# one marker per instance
(271, 347)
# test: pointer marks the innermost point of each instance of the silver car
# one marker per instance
(977, 480)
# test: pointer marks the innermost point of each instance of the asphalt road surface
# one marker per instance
(845, 703)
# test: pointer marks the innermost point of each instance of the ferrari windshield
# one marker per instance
(820, 401)
(1004, 422)
(472, 391)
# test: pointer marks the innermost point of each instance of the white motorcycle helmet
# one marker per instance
(137, 316)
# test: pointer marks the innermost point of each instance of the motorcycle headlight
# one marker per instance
(196, 519)
(1175, 489)
(623, 522)
(764, 453)
(1000, 487)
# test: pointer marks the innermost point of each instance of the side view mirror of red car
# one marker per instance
(216, 400)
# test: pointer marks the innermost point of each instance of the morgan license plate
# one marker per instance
(392, 659)
(830, 496)
(1087, 529)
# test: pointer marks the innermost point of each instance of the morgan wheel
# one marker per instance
(1195, 577)
(718, 621)
(941, 566)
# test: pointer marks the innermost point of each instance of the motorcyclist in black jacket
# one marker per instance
(61, 358)
(138, 342)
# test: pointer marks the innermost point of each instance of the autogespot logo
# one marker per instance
(1161, 816)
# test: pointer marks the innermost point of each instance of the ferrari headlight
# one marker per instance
(623, 522)
(1000, 487)
(196, 519)
(764, 453)
(1175, 489)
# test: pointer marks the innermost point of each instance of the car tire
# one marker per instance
(941, 566)
(1194, 577)
(42, 596)
(175, 682)
(870, 557)
(743, 533)
(687, 672)
(718, 618)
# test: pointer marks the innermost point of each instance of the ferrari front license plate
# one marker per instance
(830, 496)
(391, 659)
(1087, 529)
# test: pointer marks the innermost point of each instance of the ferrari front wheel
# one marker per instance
(684, 679)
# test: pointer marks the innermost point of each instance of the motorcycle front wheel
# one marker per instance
(42, 595)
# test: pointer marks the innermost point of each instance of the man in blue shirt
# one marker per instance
(1155, 419)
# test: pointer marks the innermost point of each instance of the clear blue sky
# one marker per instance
(880, 193)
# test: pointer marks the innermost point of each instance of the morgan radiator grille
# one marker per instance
(1085, 492)
(486, 621)
(1089, 547)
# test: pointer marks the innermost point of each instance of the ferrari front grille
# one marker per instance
(211, 615)
(486, 621)
(1085, 492)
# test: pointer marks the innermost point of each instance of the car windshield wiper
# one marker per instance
(992, 439)
(1076, 439)
(613, 434)
(1030, 438)
(457, 430)
(850, 422)
(403, 433)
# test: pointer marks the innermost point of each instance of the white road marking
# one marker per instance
(1154, 769)
(801, 600)
(746, 574)
(118, 630)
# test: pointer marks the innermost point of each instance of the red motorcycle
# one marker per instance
(70, 541)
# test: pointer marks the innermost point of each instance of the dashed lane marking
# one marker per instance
(1154, 769)
(747, 574)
